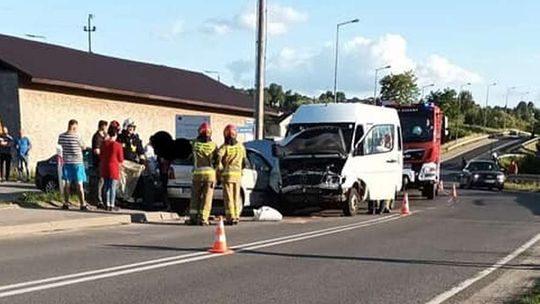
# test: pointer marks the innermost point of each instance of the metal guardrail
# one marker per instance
(524, 177)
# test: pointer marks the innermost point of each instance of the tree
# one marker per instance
(399, 88)
(447, 100)
(277, 96)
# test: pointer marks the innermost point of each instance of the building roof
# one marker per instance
(54, 65)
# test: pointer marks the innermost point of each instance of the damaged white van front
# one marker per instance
(340, 155)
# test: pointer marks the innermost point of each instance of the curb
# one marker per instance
(8, 206)
(93, 222)
(16, 230)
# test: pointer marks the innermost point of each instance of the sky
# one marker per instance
(447, 43)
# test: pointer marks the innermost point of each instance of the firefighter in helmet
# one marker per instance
(204, 176)
(231, 161)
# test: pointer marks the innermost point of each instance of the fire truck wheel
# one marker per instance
(430, 190)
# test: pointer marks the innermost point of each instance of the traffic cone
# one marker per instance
(405, 205)
(454, 192)
(220, 241)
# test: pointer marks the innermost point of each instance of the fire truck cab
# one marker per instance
(424, 126)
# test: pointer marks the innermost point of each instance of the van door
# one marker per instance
(376, 157)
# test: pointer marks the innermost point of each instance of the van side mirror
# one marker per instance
(277, 151)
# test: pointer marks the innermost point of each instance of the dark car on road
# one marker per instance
(482, 173)
(47, 172)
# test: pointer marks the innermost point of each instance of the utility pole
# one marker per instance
(459, 107)
(508, 90)
(487, 102)
(259, 81)
(89, 29)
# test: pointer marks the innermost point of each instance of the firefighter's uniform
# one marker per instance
(204, 180)
(231, 161)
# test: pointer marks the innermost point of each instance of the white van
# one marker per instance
(340, 155)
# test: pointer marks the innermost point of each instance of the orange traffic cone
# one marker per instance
(220, 242)
(454, 192)
(405, 205)
(441, 186)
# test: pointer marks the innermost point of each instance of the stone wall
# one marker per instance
(44, 115)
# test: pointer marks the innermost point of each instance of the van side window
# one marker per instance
(380, 139)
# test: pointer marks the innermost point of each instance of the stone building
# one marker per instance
(43, 86)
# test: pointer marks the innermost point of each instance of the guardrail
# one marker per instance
(524, 177)
(463, 141)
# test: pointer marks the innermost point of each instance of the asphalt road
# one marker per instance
(365, 259)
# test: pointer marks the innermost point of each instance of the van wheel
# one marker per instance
(353, 203)
(50, 185)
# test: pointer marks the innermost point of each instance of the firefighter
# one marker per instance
(204, 177)
(231, 161)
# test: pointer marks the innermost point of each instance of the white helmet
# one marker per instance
(128, 122)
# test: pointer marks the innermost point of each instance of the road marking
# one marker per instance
(76, 278)
(482, 274)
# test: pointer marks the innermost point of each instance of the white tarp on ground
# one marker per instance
(266, 213)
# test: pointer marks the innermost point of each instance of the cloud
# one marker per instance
(172, 30)
(310, 71)
(280, 20)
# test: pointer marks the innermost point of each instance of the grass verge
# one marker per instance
(531, 297)
(523, 186)
(41, 199)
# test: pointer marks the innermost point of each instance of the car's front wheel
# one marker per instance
(50, 185)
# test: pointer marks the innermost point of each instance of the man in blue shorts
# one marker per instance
(73, 168)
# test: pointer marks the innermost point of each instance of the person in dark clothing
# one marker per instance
(134, 158)
(6, 146)
(97, 140)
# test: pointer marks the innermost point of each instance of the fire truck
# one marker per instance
(423, 127)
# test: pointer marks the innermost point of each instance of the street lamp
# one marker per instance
(506, 105)
(423, 88)
(459, 107)
(214, 73)
(337, 52)
(376, 78)
(487, 102)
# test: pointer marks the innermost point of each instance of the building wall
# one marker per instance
(44, 115)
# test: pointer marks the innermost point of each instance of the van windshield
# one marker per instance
(347, 130)
(316, 141)
(416, 126)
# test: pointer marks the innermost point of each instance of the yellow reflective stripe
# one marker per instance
(232, 173)
(204, 172)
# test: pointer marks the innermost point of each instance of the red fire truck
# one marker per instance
(423, 127)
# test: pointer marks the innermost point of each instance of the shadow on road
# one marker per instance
(530, 201)
(397, 260)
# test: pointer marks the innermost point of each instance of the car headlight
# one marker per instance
(476, 176)
(500, 178)
(429, 169)
(331, 180)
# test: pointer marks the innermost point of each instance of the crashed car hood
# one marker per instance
(316, 141)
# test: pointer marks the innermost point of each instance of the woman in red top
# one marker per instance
(112, 156)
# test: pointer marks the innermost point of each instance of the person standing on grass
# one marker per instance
(73, 169)
(97, 141)
(23, 146)
(6, 145)
(111, 158)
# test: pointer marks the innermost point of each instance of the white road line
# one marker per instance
(482, 274)
(173, 258)
(53, 282)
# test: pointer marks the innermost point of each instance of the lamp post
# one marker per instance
(423, 88)
(260, 70)
(487, 102)
(376, 78)
(508, 90)
(339, 25)
(214, 73)
(459, 107)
